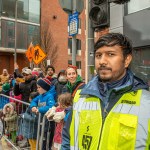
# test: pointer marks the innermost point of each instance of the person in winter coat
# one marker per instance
(43, 102)
(30, 124)
(50, 74)
(74, 82)
(112, 110)
(25, 88)
(10, 118)
(57, 114)
(60, 83)
(4, 78)
(46, 99)
(5, 90)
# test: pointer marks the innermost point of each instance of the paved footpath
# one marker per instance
(4, 145)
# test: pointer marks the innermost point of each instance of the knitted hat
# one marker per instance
(6, 87)
(35, 73)
(61, 71)
(44, 83)
(26, 71)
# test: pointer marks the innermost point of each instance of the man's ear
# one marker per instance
(128, 61)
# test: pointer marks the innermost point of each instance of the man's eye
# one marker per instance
(110, 54)
(98, 56)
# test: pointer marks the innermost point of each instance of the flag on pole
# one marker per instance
(30, 52)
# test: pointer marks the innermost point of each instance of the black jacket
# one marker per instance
(25, 88)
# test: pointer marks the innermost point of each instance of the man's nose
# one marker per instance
(103, 59)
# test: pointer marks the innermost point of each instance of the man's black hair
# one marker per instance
(112, 39)
(50, 66)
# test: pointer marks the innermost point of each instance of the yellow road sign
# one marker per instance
(30, 52)
(39, 55)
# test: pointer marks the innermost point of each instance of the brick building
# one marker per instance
(28, 23)
(52, 13)
(26, 20)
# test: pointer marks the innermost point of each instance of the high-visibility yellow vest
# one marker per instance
(126, 127)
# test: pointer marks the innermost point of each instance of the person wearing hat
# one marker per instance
(42, 103)
(26, 87)
(10, 118)
(46, 99)
(61, 81)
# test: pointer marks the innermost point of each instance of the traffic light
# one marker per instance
(119, 1)
(100, 14)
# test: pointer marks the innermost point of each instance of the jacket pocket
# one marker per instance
(127, 132)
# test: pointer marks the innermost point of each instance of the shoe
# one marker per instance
(23, 143)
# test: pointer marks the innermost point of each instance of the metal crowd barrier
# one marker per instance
(20, 121)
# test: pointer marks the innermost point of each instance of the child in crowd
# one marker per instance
(58, 114)
(10, 118)
(30, 124)
(42, 103)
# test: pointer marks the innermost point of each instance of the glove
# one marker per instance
(59, 116)
(50, 112)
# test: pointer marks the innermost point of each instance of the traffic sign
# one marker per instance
(30, 52)
(73, 23)
(38, 55)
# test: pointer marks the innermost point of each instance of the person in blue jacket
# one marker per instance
(30, 124)
(42, 103)
(46, 99)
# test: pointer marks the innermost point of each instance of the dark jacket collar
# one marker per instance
(128, 83)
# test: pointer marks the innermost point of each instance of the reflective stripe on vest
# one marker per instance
(127, 126)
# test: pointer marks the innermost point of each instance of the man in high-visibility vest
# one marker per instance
(112, 112)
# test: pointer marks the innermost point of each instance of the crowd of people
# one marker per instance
(109, 112)
(48, 94)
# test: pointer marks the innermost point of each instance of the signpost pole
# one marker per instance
(15, 51)
(89, 44)
(74, 45)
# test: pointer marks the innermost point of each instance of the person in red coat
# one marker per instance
(58, 114)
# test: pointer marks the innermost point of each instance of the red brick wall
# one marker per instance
(7, 61)
(59, 28)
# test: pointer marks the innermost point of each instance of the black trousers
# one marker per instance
(48, 135)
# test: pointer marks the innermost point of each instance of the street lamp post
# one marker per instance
(15, 51)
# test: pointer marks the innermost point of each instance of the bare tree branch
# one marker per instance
(47, 43)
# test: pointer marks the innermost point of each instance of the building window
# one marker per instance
(0, 7)
(23, 10)
(79, 23)
(70, 44)
(34, 14)
(25, 34)
(8, 36)
(78, 44)
(28, 10)
(8, 8)
(137, 5)
(141, 64)
(78, 64)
